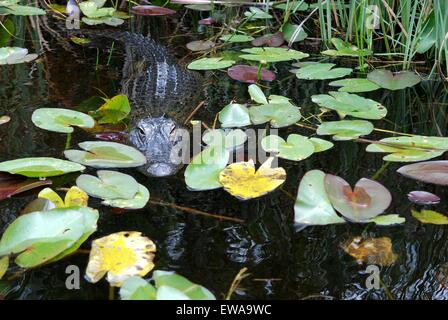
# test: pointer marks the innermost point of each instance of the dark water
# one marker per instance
(283, 263)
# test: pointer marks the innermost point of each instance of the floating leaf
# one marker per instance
(270, 40)
(104, 154)
(321, 145)
(355, 85)
(200, 45)
(345, 129)
(393, 81)
(167, 279)
(255, 13)
(92, 9)
(234, 115)
(14, 55)
(388, 219)
(430, 172)
(371, 251)
(210, 64)
(207, 21)
(312, 206)
(113, 110)
(367, 200)
(61, 120)
(74, 197)
(40, 167)
(4, 264)
(256, 94)
(408, 149)
(136, 288)
(19, 10)
(423, 197)
(111, 21)
(228, 139)
(46, 236)
(250, 74)
(346, 49)
(321, 71)
(11, 184)
(38, 204)
(242, 181)
(267, 54)
(149, 10)
(236, 38)
(289, 30)
(296, 147)
(278, 114)
(351, 104)
(139, 201)
(121, 255)
(203, 171)
(429, 216)
(4, 119)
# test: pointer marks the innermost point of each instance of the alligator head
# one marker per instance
(161, 141)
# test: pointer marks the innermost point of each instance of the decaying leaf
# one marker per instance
(371, 251)
(74, 197)
(121, 255)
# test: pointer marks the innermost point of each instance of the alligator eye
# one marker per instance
(141, 131)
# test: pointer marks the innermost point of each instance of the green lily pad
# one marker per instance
(203, 171)
(280, 112)
(256, 94)
(321, 145)
(345, 129)
(234, 115)
(312, 206)
(355, 85)
(40, 237)
(4, 264)
(321, 71)
(110, 21)
(210, 64)
(388, 219)
(255, 13)
(351, 104)
(367, 200)
(200, 45)
(40, 167)
(409, 149)
(15, 55)
(61, 120)
(268, 54)
(393, 81)
(228, 139)
(19, 10)
(113, 110)
(136, 288)
(103, 154)
(139, 201)
(346, 49)
(236, 38)
(295, 148)
(108, 185)
(289, 30)
(91, 9)
(429, 216)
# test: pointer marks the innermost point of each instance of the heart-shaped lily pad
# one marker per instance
(40, 167)
(228, 139)
(270, 40)
(429, 171)
(293, 33)
(104, 154)
(346, 49)
(393, 81)
(367, 200)
(313, 207)
(267, 54)
(280, 112)
(355, 85)
(321, 71)
(255, 13)
(256, 94)
(250, 74)
(351, 104)
(296, 147)
(409, 149)
(236, 38)
(200, 45)
(234, 115)
(61, 120)
(139, 201)
(210, 64)
(345, 129)
(14, 55)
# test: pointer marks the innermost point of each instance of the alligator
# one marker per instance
(161, 93)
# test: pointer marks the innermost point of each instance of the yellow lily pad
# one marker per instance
(371, 251)
(121, 255)
(4, 263)
(74, 197)
(242, 181)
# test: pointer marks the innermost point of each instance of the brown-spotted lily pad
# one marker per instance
(151, 11)
(435, 172)
(200, 45)
(249, 74)
(269, 40)
(11, 184)
(371, 251)
(367, 200)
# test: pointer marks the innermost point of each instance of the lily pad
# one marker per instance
(345, 129)
(15, 55)
(270, 40)
(430, 172)
(409, 149)
(74, 197)
(234, 115)
(200, 45)
(207, 21)
(393, 81)
(242, 181)
(351, 104)
(113, 110)
(355, 85)
(228, 139)
(19, 10)
(210, 64)
(203, 171)
(367, 200)
(121, 255)
(255, 13)
(388, 220)
(290, 30)
(429, 216)
(312, 206)
(346, 49)
(149, 10)
(167, 279)
(296, 147)
(4, 264)
(321, 71)
(236, 38)
(12, 184)
(369, 251)
(278, 113)
(61, 120)
(256, 94)
(267, 54)
(423, 197)
(92, 9)
(139, 201)
(111, 21)
(250, 74)
(105, 154)
(137, 288)
(40, 167)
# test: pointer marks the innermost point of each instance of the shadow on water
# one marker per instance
(283, 263)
